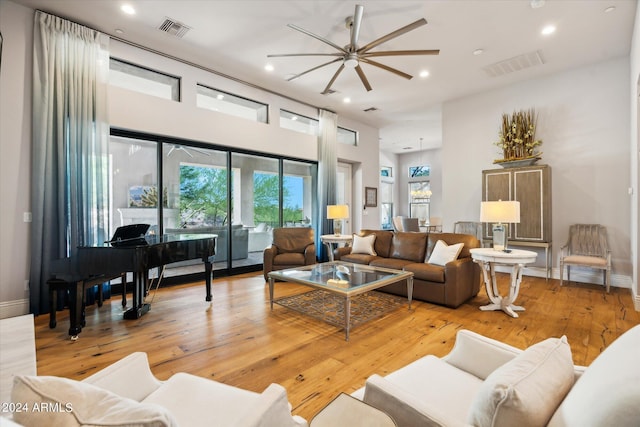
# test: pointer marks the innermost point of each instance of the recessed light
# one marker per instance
(536, 4)
(294, 118)
(548, 30)
(610, 9)
(220, 96)
(478, 52)
(128, 9)
(119, 31)
(346, 100)
(268, 67)
(424, 73)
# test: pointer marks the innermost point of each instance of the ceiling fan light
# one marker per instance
(351, 61)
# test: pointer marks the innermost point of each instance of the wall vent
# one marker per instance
(174, 27)
(516, 63)
(371, 109)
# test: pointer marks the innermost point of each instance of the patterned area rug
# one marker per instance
(329, 307)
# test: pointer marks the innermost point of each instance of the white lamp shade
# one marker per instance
(500, 211)
(337, 211)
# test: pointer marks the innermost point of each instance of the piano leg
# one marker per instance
(139, 307)
(76, 311)
(208, 270)
(123, 280)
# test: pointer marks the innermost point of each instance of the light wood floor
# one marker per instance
(238, 341)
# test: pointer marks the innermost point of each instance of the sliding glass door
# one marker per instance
(180, 187)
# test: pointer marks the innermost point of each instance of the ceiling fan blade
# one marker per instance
(282, 55)
(363, 78)
(333, 79)
(317, 37)
(385, 67)
(355, 26)
(393, 35)
(401, 53)
(314, 68)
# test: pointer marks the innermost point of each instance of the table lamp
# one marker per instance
(498, 213)
(337, 213)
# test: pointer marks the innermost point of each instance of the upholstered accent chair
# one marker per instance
(586, 247)
(410, 224)
(291, 247)
(469, 227)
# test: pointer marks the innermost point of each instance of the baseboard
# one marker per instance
(582, 276)
(14, 308)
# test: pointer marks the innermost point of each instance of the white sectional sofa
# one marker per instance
(484, 382)
(126, 393)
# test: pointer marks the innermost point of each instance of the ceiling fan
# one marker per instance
(352, 56)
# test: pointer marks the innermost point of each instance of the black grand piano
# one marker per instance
(126, 253)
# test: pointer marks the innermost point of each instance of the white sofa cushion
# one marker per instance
(608, 393)
(56, 401)
(526, 390)
(426, 392)
(190, 398)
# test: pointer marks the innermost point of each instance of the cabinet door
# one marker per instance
(527, 187)
(531, 188)
(496, 185)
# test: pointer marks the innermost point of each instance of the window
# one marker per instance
(299, 123)
(346, 136)
(143, 80)
(227, 103)
(386, 204)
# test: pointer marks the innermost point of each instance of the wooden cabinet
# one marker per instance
(531, 186)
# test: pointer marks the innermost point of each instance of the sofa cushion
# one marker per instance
(359, 258)
(443, 253)
(382, 244)
(363, 244)
(409, 245)
(289, 258)
(469, 242)
(450, 400)
(65, 402)
(187, 395)
(293, 239)
(526, 390)
(608, 393)
(426, 272)
(394, 263)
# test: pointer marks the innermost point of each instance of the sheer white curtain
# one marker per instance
(327, 172)
(69, 185)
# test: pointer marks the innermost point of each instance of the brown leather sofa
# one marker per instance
(451, 285)
(291, 247)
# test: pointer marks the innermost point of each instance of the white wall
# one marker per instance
(634, 86)
(144, 113)
(15, 156)
(584, 124)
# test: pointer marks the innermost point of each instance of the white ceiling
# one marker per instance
(235, 37)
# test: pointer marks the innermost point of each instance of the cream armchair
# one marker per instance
(587, 247)
(484, 382)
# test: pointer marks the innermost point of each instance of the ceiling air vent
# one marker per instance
(516, 63)
(370, 110)
(173, 27)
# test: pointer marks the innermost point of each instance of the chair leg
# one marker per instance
(561, 272)
(607, 279)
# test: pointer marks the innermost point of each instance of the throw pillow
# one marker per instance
(526, 390)
(443, 253)
(363, 244)
(55, 401)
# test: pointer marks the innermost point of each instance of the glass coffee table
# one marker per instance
(344, 279)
